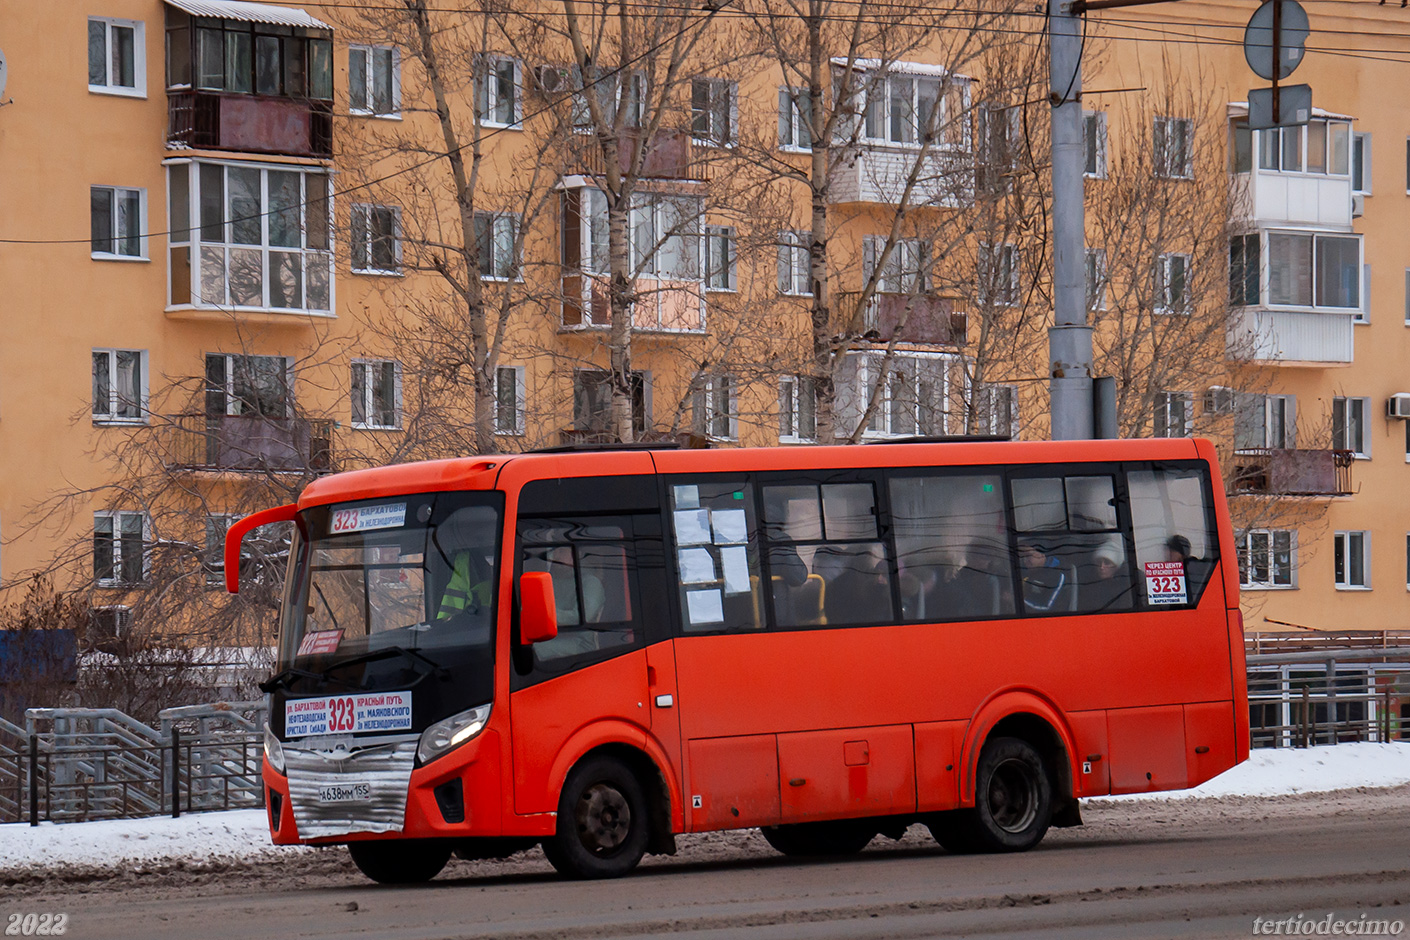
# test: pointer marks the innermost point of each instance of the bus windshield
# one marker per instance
(389, 591)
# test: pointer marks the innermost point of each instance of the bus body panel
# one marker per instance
(1209, 739)
(1004, 704)
(733, 782)
(937, 745)
(1148, 749)
(838, 773)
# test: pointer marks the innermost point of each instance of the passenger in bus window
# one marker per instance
(1043, 578)
(938, 585)
(1177, 548)
(1107, 585)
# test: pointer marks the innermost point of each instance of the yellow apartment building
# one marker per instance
(266, 241)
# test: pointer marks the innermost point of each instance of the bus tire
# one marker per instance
(952, 830)
(603, 821)
(1013, 799)
(400, 861)
(842, 837)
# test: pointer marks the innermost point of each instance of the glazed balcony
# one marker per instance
(1275, 471)
(209, 120)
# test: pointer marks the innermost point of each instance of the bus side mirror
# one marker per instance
(538, 615)
(237, 532)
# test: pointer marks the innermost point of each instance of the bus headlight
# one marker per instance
(451, 732)
(273, 750)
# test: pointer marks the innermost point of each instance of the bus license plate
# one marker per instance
(345, 793)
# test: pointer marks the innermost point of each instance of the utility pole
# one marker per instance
(1070, 337)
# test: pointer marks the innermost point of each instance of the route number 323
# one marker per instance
(36, 925)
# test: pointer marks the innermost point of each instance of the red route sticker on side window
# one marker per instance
(320, 641)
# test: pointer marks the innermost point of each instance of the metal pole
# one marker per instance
(175, 773)
(34, 779)
(1069, 338)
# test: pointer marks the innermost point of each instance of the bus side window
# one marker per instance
(715, 539)
(590, 562)
(1072, 553)
(1170, 515)
(952, 547)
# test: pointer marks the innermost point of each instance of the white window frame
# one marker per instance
(367, 367)
(793, 263)
(1165, 156)
(794, 134)
(791, 389)
(1349, 580)
(1272, 141)
(1094, 144)
(1094, 278)
(116, 517)
(520, 401)
(1244, 542)
(990, 400)
(993, 259)
(907, 270)
(1355, 425)
(721, 101)
(1281, 407)
(610, 96)
(1364, 139)
(1266, 261)
(110, 416)
(487, 72)
(708, 416)
(1362, 316)
(232, 401)
(881, 424)
(360, 250)
(503, 231)
(715, 237)
(1164, 301)
(122, 621)
(116, 217)
(1166, 414)
(369, 53)
(139, 58)
(993, 169)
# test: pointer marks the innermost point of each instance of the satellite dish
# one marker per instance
(2, 74)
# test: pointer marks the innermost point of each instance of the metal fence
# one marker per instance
(76, 764)
(1298, 699)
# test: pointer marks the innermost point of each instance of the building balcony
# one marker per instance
(1285, 472)
(1292, 338)
(910, 318)
(661, 305)
(671, 156)
(252, 444)
(877, 173)
(209, 120)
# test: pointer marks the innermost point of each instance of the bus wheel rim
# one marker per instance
(604, 819)
(1013, 795)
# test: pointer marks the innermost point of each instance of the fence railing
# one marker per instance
(76, 764)
(1298, 699)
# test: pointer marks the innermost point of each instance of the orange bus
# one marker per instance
(596, 651)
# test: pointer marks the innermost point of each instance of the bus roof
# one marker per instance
(482, 472)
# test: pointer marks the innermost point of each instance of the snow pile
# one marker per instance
(1284, 771)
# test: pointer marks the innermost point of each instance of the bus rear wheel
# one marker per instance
(842, 837)
(1013, 802)
(603, 821)
(400, 862)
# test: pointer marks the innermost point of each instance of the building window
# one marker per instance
(912, 397)
(719, 258)
(237, 56)
(217, 524)
(509, 400)
(1262, 421)
(663, 234)
(248, 385)
(1307, 270)
(604, 85)
(1318, 147)
(906, 270)
(498, 87)
(1351, 559)
(793, 275)
(250, 236)
(375, 245)
(1267, 558)
(1172, 283)
(1240, 146)
(1174, 414)
(117, 56)
(497, 234)
(119, 548)
(996, 409)
(1172, 139)
(998, 275)
(118, 218)
(996, 137)
(1361, 164)
(1349, 425)
(107, 625)
(592, 401)
(1245, 271)
(1363, 313)
(374, 80)
(1094, 144)
(1095, 259)
(902, 108)
(795, 115)
(376, 394)
(797, 409)
(716, 408)
(714, 104)
(119, 386)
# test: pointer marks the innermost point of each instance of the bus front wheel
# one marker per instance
(400, 861)
(842, 837)
(602, 821)
(1013, 802)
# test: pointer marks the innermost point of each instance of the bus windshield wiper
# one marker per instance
(282, 678)
(386, 652)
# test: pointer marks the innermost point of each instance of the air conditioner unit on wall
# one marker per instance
(1358, 205)
(1398, 405)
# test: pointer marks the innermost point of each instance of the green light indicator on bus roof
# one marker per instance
(988, 487)
(738, 495)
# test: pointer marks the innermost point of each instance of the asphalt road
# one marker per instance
(1187, 869)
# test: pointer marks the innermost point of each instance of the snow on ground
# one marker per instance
(243, 836)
